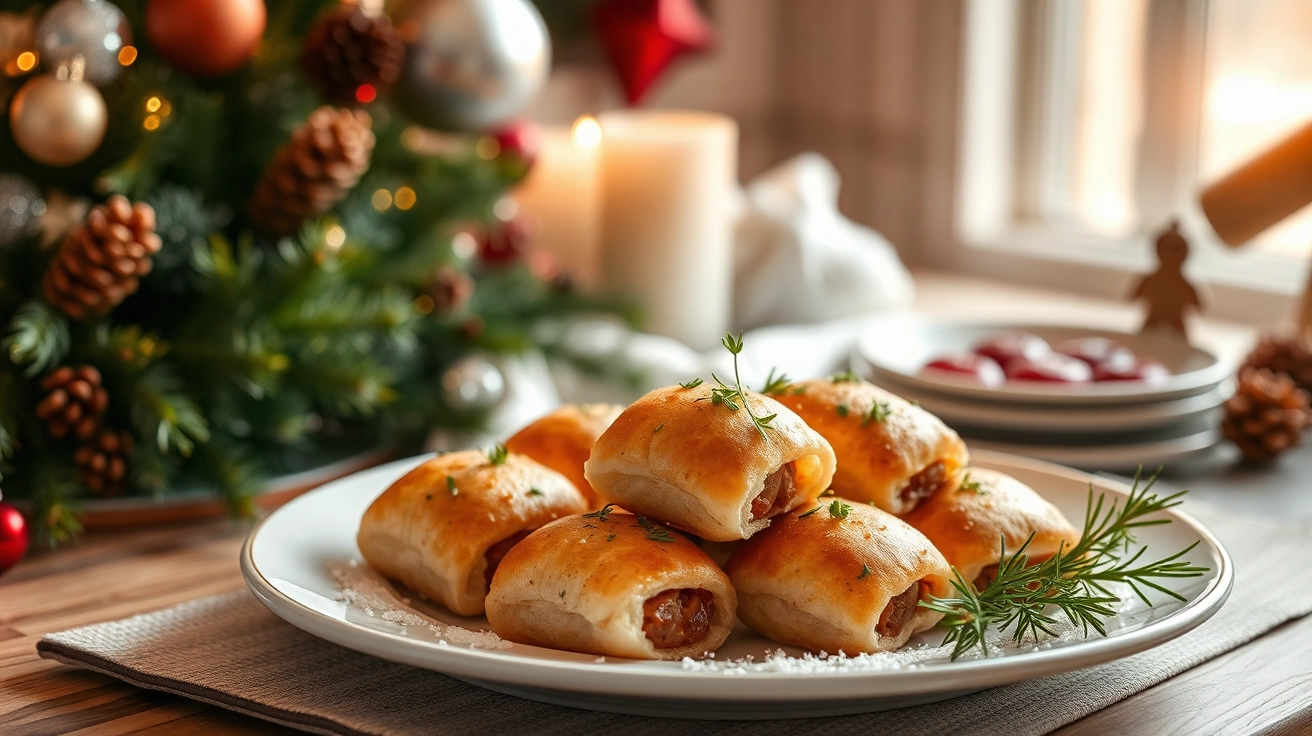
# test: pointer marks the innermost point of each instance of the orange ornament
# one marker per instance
(205, 38)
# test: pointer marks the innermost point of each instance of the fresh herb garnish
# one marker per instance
(601, 513)
(534, 492)
(972, 485)
(839, 510)
(775, 384)
(694, 383)
(609, 537)
(451, 486)
(1073, 580)
(799, 390)
(812, 511)
(658, 428)
(731, 396)
(879, 412)
(498, 454)
(842, 410)
(865, 572)
(846, 376)
(655, 533)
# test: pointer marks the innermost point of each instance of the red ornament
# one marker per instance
(982, 369)
(13, 536)
(205, 38)
(517, 146)
(642, 38)
(503, 243)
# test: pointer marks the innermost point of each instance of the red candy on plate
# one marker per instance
(1050, 368)
(1092, 350)
(982, 369)
(1007, 346)
(1129, 367)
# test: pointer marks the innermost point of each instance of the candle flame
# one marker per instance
(587, 132)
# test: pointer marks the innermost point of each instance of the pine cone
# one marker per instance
(1267, 414)
(347, 49)
(1288, 354)
(75, 402)
(450, 289)
(102, 462)
(313, 171)
(99, 263)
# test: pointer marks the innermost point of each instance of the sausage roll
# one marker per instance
(703, 466)
(838, 577)
(890, 452)
(563, 439)
(968, 524)
(444, 526)
(615, 584)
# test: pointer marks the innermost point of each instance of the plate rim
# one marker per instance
(608, 680)
(1203, 378)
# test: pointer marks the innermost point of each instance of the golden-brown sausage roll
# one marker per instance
(838, 576)
(563, 439)
(680, 457)
(443, 527)
(890, 452)
(968, 524)
(615, 584)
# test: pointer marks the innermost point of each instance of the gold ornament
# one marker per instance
(58, 121)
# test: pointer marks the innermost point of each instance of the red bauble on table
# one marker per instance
(205, 38)
(13, 536)
(982, 369)
(642, 38)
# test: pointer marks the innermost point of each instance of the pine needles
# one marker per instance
(1022, 597)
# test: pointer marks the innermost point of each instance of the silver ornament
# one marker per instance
(96, 30)
(470, 64)
(58, 122)
(473, 384)
(21, 208)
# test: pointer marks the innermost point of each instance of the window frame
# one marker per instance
(1001, 136)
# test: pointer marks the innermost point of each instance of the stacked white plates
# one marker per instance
(1116, 425)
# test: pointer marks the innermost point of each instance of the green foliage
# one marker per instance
(241, 356)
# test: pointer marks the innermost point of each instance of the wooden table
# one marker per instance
(1263, 687)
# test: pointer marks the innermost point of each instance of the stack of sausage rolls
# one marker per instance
(589, 530)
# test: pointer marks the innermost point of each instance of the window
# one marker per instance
(1089, 124)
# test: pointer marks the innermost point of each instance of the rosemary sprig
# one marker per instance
(694, 383)
(846, 376)
(879, 412)
(654, 533)
(498, 454)
(776, 384)
(1073, 580)
(972, 485)
(601, 513)
(731, 395)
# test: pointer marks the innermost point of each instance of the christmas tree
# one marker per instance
(227, 251)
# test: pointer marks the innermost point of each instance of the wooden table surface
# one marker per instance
(1263, 687)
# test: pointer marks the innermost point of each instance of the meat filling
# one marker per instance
(678, 617)
(899, 611)
(497, 552)
(777, 493)
(924, 484)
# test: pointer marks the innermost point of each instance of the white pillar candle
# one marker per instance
(559, 199)
(667, 188)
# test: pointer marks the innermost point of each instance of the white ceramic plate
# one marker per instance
(898, 347)
(286, 563)
(1116, 457)
(1066, 420)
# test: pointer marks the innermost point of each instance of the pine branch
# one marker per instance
(38, 337)
(161, 411)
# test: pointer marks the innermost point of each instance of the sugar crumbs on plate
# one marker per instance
(359, 587)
